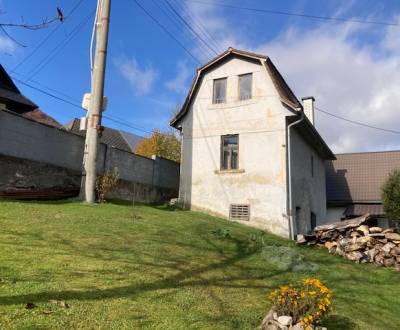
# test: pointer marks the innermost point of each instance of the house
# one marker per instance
(250, 151)
(354, 181)
(12, 100)
(115, 138)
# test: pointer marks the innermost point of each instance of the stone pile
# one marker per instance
(274, 322)
(358, 240)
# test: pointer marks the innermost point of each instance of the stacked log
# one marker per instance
(358, 240)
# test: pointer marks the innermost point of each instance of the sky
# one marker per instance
(352, 69)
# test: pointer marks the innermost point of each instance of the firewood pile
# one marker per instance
(357, 240)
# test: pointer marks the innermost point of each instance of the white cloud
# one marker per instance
(346, 79)
(179, 83)
(337, 63)
(140, 78)
(7, 45)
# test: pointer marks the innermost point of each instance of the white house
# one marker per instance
(250, 151)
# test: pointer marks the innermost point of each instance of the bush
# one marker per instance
(106, 183)
(306, 302)
(391, 196)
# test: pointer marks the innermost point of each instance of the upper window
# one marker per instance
(229, 152)
(219, 90)
(245, 82)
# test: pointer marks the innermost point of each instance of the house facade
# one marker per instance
(250, 151)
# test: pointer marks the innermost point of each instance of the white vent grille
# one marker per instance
(239, 212)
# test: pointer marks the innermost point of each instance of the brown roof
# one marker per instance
(358, 177)
(41, 117)
(286, 94)
(112, 137)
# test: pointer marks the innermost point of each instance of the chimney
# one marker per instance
(308, 105)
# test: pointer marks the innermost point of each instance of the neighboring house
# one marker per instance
(115, 138)
(354, 181)
(239, 160)
(11, 99)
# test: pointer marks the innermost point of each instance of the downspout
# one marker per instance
(290, 213)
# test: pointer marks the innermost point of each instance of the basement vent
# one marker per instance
(239, 212)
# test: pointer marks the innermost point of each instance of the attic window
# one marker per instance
(219, 91)
(245, 82)
(239, 212)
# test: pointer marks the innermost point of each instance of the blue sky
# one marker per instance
(352, 69)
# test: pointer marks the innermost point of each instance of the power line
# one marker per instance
(190, 28)
(113, 119)
(357, 122)
(49, 57)
(167, 31)
(185, 8)
(278, 12)
(46, 38)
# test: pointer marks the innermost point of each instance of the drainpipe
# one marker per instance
(291, 224)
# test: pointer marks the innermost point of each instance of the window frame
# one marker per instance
(214, 100)
(222, 149)
(251, 86)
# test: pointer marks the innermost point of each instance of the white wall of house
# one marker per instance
(260, 122)
(261, 180)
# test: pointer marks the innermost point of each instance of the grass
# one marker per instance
(161, 268)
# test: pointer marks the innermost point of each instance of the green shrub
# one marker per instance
(391, 196)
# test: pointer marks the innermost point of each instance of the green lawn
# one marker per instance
(146, 267)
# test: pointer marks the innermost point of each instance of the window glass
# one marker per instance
(245, 82)
(229, 152)
(219, 91)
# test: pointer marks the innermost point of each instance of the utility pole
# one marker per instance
(96, 100)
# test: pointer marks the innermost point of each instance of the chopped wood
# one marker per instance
(355, 240)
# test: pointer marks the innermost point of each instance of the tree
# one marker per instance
(391, 196)
(163, 144)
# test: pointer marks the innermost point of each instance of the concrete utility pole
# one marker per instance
(96, 99)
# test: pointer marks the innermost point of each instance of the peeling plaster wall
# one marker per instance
(260, 123)
(308, 192)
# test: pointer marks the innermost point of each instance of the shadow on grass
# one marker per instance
(194, 276)
(339, 322)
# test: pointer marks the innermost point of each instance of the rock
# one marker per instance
(371, 254)
(397, 267)
(330, 245)
(389, 230)
(375, 230)
(363, 240)
(301, 239)
(395, 251)
(285, 320)
(275, 316)
(354, 255)
(363, 229)
(387, 247)
(353, 247)
(392, 236)
(297, 326)
(389, 262)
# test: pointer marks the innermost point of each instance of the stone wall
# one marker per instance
(36, 158)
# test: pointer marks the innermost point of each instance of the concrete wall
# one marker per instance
(308, 191)
(334, 213)
(260, 123)
(42, 157)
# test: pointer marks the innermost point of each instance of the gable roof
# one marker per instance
(285, 93)
(118, 139)
(11, 96)
(358, 177)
